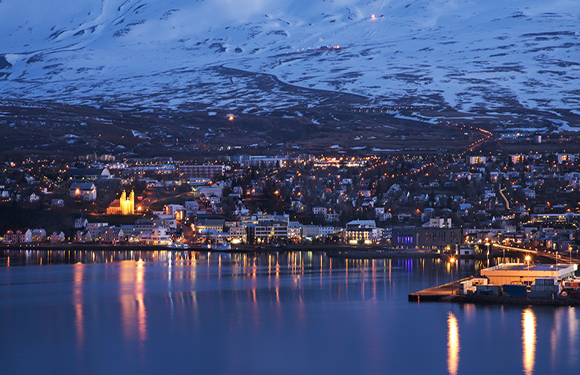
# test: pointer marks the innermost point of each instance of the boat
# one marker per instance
(221, 246)
(178, 246)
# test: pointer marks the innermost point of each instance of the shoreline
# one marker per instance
(339, 251)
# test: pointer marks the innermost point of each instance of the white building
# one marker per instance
(86, 191)
(438, 222)
(514, 273)
(81, 223)
(326, 231)
(319, 210)
(159, 236)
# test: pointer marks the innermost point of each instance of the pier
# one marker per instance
(438, 293)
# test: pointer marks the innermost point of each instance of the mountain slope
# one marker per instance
(470, 55)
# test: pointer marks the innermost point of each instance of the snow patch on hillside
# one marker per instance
(475, 56)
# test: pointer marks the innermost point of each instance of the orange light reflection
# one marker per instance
(452, 344)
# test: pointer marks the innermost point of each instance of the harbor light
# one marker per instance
(527, 258)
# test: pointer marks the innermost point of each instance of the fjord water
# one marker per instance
(83, 312)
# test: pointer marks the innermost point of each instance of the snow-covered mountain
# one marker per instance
(468, 54)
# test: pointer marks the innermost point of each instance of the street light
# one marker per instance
(452, 261)
(528, 260)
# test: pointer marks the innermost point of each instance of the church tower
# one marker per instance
(127, 204)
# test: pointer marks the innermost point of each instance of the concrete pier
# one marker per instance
(437, 293)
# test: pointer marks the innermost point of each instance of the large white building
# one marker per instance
(522, 273)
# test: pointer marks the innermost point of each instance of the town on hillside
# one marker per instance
(429, 202)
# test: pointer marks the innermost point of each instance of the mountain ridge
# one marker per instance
(469, 55)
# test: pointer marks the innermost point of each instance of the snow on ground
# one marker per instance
(474, 56)
(563, 126)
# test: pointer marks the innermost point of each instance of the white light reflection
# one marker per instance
(452, 344)
(529, 340)
(573, 336)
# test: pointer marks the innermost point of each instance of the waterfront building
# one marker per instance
(113, 235)
(144, 228)
(56, 237)
(210, 224)
(237, 233)
(14, 237)
(83, 236)
(425, 238)
(159, 236)
(96, 229)
(294, 230)
(521, 273)
(266, 231)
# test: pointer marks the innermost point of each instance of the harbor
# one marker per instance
(510, 284)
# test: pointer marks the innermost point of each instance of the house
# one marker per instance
(168, 221)
(113, 235)
(473, 160)
(96, 229)
(35, 235)
(191, 208)
(83, 236)
(385, 216)
(329, 218)
(57, 237)
(174, 210)
(319, 210)
(86, 191)
(14, 237)
(81, 222)
(530, 193)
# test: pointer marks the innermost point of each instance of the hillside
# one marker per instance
(508, 55)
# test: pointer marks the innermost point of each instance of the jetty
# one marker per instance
(511, 284)
(443, 292)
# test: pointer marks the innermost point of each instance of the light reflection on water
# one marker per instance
(529, 340)
(351, 315)
(452, 344)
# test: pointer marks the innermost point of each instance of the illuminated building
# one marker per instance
(123, 206)
(86, 191)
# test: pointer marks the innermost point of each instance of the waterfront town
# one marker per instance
(429, 202)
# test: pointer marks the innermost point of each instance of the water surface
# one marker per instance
(82, 312)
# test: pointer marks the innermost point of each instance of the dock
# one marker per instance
(437, 293)
(448, 293)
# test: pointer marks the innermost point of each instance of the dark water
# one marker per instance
(287, 313)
